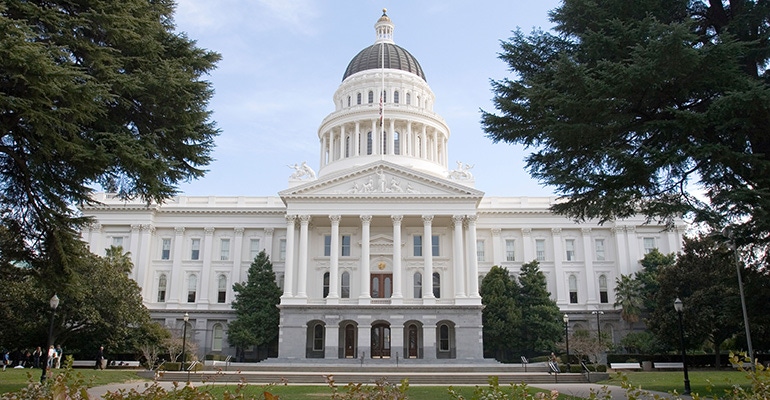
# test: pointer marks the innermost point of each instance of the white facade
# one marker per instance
(380, 254)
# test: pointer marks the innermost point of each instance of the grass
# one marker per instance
(704, 383)
(13, 379)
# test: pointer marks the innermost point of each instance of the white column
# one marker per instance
(375, 138)
(237, 271)
(133, 247)
(332, 345)
(95, 241)
(268, 245)
(143, 259)
(562, 296)
(288, 274)
(304, 222)
(458, 255)
(498, 249)
(473, 267)
(589, 263)
(206, 254)
(528, 245)
(424, 140)
(621, 249)
(334, 262)
(176, 281)
(408, 140)
(391, 138)
(364, 296)
(634, 252)
(342, 142)
(427, 256)
(323, 150)
(397, 275)
(357, 140)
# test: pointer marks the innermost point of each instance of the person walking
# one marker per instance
(6, 359)
(58, 356)
(36, 355)
(100, 358)
(51, 357)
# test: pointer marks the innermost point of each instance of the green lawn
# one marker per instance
(13, 379)
(701, 382)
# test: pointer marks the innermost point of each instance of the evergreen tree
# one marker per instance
(541, 321)
(630, 105)
(501, 316)
(256, 306)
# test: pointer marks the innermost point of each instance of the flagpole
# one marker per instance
(382, 101)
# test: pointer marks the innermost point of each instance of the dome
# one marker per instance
(396, 57)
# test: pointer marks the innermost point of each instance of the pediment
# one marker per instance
(381, 179)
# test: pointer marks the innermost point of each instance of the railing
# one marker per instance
(586, 370)
(524, 362)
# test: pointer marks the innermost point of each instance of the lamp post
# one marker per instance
(734, 248)
(679, 307)
(184, 340)
(565, 318)
(598, 324)
(54, 304)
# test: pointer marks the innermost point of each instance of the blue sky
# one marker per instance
(283, 60)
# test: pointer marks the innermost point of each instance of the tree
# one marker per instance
(256, 306)
(541, 324)
(628, 296)
(634, 294)
(94, 93)
(632, 105)
(501, 317)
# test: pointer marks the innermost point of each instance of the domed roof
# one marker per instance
(396, 57)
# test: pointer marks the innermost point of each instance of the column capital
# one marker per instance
(238, 231)
(496, 231)
(586, 231)
(290, 219)
(526, 231)
(556, 231)
(397, 219)
(335, 219)
(427, 219)
(208, 231)
(305, 219)
(179, 230)
(366, 219)
(458, 219)
(472, 218)
(269, 231)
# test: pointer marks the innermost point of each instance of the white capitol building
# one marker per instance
(381, 251)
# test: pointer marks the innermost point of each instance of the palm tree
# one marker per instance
(628, 296)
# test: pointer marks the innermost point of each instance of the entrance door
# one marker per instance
(381, 341)
(382, 286)
(350, 341)
(412, 338)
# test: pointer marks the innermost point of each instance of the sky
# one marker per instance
(282, 60)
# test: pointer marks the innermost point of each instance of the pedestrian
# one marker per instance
(6, 359)
(51, 357)
(100, 358)
(58, 356)
(36, 357)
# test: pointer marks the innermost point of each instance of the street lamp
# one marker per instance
(728, 232)
(598, 324)
(54, 304)
(565, 318)
(679, 307)
(184, 340)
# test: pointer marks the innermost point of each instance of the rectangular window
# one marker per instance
(282, 250)
(436, 252)
(510, 250)
(649, 245)
(224, 249)
(479, 250)
(195, 249)
(165, 252)
(603, 297)
(327, 245)
(117, 241)
(599, 249)
(540, 249)
(254, 248)
(417, 248)
(569, 246)
(345, 251)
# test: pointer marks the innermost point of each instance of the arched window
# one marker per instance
(603, 297)
(345, 281)
(384, 96)
(318, 337)
(573, 291)
(417, 285)
(347, 146)
(326, 284)
(419, 147)
(222, 289)
(358, 98)
(396, 142)
(408, 99)
(395, 97)
(162, 283)
(369, 143)
(348, 101)
(436, 285)
(384, 143)
(371, 97)
(192, 286)
(443, 337)
(217, 337)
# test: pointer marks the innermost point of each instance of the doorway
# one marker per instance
(381, 341)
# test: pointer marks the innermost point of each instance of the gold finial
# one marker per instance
(384, 11)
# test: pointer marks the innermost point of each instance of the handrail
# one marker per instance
(587, 371)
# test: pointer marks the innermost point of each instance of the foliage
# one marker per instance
(501, 316)
(629, 298)
(583, 345)
(514, 392)
(642, 343)
(256, 306)
(174, 342)
(633, 106)
(381, 390)
(541, 323)
(97, 93)
(634, 294)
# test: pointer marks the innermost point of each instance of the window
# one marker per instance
(326, 285)
(573, 293)
(358, 98)
(222, 289)
(345, 250)
(384, 97)
(327, 245)
(435, 246)
(282, 250)
(417, 285)
(417, 245)
(479, 250)
(253, 248)
(318, 336)
(443, 337)
(224, 249)
(540, 249)
(162, 283)
(603, 298)
(599, 249)
(396, 143)
(408, 99)
(369, 143)
(371, 97)
(347, 146)
(436, 285)
(510, 250)
(195, 249)
(165, 249)
(117, 241)
(216, 339)
(345, 281)
(569, 246)
(649, 245)
(192, 286)
(348, 101)
(395, 97)
(384, 147)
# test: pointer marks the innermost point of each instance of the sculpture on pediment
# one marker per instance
(462, 173)
(302, 172)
